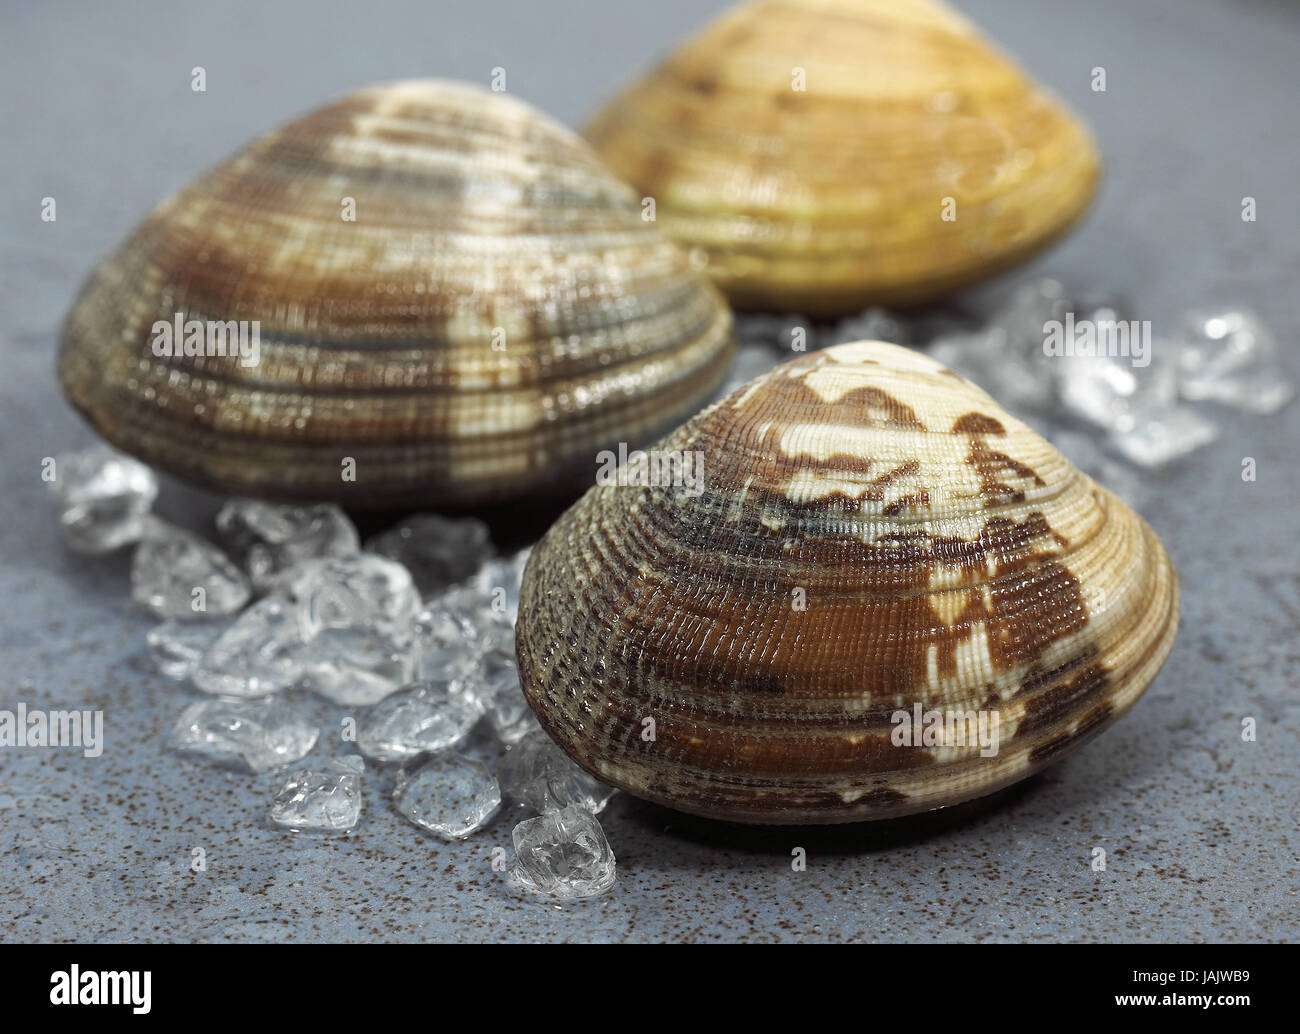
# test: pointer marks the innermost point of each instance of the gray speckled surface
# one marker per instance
(1200, 829)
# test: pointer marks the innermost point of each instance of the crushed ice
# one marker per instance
(178, 575)
(269, 539)
(325, 799)
(103, 498)
(538, 773)
(563, 854)
(260, 734)
(448, 794)
(425, 717)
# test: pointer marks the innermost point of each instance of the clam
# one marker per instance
(884, 595)
(823, 155)
(441, 296)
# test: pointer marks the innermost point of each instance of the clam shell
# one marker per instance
(872, 534)
(830, 198)
(497, 311)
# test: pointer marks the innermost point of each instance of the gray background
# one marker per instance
(1200, 829)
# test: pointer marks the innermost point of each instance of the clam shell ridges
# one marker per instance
(473, 212)
(947, 554)
(830, 198)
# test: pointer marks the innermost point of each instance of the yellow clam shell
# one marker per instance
(824, 155)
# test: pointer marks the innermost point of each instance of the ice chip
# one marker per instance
(1230, 358)
(454, 630)
(259, 654)
(1022, 319)
(177, 647)
(357, 665)
(325, 799)
(538, 773)
(1157, 436)
(1020, 379)
(563, 854)
(498, 581)
(259, 734)
(270, 539)
(451, 795)
(1135, 403)
(103, 498)
(425, 717)
(495, 683)
(438, 551)
(1006, 354)
(1113, 393)
(178, 575)
(512, 719)
(358, 589)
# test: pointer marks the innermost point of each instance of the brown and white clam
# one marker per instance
(873, 540)
(822, 155)
(451, 292)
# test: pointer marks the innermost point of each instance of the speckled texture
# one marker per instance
(1200, 829)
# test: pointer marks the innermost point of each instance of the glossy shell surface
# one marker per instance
(824, 155)
(872, 537)
(450, 290)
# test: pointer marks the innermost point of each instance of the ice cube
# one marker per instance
(269, 539)
(495, 683)
(498, 581)
(325, 799)
(102, 497)
(425, 717)
(1229, 357)
(1157, 436)
(454, 630)
(357, 665)
(438, 551)
(257, 655)
(451, 795)
(177, 647)
(1022, 318)
(359, 589)
(259, 734)
(563, 854)
(1136, 403)
(178, 575)
(538, 773)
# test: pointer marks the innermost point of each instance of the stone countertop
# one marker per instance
(1200, 829)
